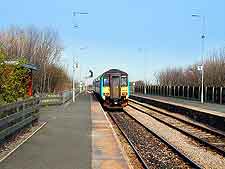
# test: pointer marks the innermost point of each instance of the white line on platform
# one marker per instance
(7, 155)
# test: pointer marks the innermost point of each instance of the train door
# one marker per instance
(115, 86)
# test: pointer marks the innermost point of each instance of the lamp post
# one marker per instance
(75, 64)
(202, 53)
(74, 68)
(143, 51)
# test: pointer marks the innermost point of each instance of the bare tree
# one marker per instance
(214, 72)
(41, 47)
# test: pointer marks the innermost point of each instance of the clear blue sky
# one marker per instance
(115, 30)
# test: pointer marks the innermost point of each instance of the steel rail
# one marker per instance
(182, 155)
(131, 144)
(186, 158)
(202, 141)
(154, 108)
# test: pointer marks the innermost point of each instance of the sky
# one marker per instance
(141, 37)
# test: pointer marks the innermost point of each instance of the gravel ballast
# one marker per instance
(18, 139)
(198, 153)
(154, 152)
(133, 159)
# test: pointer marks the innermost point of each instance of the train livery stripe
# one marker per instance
(128, 86)
(101, 87)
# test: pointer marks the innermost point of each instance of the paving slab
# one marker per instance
(107, 152)
(64, 143)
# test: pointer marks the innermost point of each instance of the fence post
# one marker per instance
(193, 92)
(206, 93)
(183, 91)
(213, 95)
(221, 95)
(63, 99)
(169, 90)
(23, 110)
(188, 92)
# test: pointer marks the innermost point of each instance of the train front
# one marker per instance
(116, 89)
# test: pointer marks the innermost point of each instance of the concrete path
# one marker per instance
(107, 152)
(64, 143)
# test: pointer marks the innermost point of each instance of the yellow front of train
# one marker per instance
(108, 96)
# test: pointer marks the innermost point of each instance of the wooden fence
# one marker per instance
(16, 116)
(211, 94)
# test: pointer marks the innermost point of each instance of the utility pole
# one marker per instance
(202, 53)
(73, 79)
(75, 64)
(203, 48)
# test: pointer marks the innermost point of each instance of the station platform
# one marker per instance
(106, 149)
(64, 143)
(76, 136)
(211, 114)
(216, 109)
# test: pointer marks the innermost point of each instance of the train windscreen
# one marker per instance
(106, 81)
(123, 81)
(115, 84)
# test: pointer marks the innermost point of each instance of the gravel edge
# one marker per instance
(15, 144)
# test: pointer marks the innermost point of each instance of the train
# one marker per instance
(112, 87)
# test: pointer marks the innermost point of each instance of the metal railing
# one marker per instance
(58, 99)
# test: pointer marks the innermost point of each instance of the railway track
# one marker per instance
(152, 150)
(203, 134)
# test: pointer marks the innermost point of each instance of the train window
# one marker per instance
(123, 81)
(106, 81)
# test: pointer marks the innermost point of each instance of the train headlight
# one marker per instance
(106, 94)
(124, 93)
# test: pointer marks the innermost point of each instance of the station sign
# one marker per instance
(200, 67)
